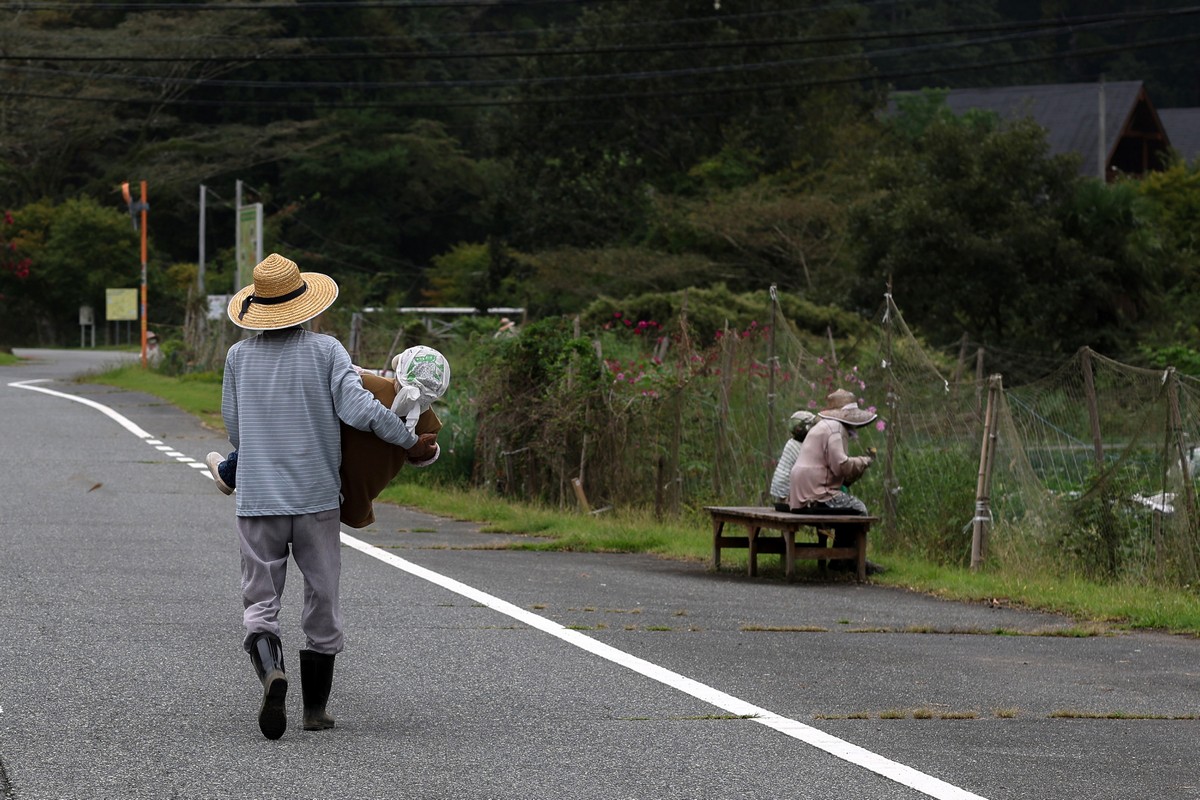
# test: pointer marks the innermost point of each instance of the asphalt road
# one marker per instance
(475, 672)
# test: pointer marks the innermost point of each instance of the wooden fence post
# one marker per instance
(773, 367)
(356, 322)
(1093, 407)
(722, 448)
(978, 380)
(1189, 488)
(660, 472)
(983, 511)
(580, 496)
(961, 365)
(891, 504)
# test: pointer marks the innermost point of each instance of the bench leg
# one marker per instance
(823, 563)
(718, 526)
(789, 553)
(752, 531)
(860, 545)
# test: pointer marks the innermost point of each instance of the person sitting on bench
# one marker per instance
(824, 467)
(799, 423)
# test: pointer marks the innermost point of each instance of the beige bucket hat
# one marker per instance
(843, 406)
(281, 296)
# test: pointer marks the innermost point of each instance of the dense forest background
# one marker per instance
(554, 155)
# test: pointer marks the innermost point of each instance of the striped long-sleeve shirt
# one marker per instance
(283, 394)
(781, 480)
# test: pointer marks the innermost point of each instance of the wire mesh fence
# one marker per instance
(1089, 469)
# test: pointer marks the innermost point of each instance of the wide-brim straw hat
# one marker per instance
(281, 296)
(843, 406)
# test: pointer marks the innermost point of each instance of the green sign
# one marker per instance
(249, 243)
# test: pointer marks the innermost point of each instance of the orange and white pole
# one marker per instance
(144, 208)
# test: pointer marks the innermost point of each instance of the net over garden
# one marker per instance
(1087, 470)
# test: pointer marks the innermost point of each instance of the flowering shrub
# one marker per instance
(9, 260)
(641, 375)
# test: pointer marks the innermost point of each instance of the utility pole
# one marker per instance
(1102, 153)
(238, 255)
(200, 264)
(137, 209)
(144, 208)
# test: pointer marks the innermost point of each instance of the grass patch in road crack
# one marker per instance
(783, 629)
(1067, 713)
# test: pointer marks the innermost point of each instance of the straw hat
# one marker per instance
(281, 296)
(842, 406)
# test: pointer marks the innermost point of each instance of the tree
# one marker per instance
(640, 95)
(1172, 198)
(76, 250)
(981, 232)
(958, 224)
(382, 202)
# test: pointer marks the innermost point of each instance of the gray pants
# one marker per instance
(315, 543)
(844, 501)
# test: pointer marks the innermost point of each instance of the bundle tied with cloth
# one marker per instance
(368, 463)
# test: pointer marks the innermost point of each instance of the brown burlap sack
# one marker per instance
(369, 463)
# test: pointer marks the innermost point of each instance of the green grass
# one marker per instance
(1120, 606)
(198, 395)
(8, 359)
(611, 532)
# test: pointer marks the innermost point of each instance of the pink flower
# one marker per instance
(880, 425)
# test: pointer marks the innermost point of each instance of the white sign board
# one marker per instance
(217, 303)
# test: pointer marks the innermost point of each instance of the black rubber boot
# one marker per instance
(266, 653)
(316, 679)
(844, 538)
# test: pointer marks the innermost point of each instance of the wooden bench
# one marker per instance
(755, 518)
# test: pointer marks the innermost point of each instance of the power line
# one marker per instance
(548, 80)
(340, 5)
(1065, 25)
(722, 17)
(751, 88)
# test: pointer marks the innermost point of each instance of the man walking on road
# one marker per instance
(284, 392)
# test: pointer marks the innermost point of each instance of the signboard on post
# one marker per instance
(217, 303)
(120, 304)
(87, 319)
(249, 243)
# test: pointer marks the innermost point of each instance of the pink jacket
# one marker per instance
(823, 466)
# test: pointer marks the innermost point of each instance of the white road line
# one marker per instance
(121, 420)
(926, 784)
(859, 756)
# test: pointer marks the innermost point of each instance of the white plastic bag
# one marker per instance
(422, 376)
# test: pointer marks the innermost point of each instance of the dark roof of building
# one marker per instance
(1070, 112)
(1183, 129)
